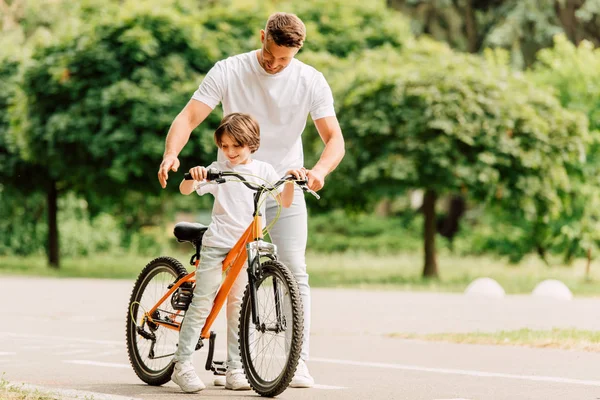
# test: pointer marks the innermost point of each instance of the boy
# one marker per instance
(238, 136)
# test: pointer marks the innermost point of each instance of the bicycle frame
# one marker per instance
(234, 262)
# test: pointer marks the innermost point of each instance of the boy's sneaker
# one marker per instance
(219, 380)
(302, 378)
(236, 380)
(185, 376)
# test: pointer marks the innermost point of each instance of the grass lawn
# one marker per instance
(572, 339)
(15, 392)
(402, 271)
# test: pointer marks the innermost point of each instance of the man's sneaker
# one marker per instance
(302, 378)
(236, 380)
(185, 376)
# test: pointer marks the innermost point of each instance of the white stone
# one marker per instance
(485, 287)
(553, 288)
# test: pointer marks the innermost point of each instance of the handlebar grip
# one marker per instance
(211, 175)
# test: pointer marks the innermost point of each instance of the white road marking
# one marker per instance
(97, 363)
(70, 352)
(484, 374)
(70, 339)
(327, 387)
(7, 353)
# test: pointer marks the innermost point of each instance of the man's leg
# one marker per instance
(290, 234)
(235, 379)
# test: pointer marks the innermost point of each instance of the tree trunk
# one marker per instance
(566, 14)
(430, 270)
(471, 28)
(52, 202)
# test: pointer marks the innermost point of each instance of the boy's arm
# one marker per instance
(186, 187)
(286, 197)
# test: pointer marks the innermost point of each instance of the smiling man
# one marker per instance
(279, 92)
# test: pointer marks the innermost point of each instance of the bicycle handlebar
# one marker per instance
(216, 176)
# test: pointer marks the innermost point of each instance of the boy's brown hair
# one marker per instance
(242, 128)
(285, 30)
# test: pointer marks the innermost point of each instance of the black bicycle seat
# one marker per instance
(189, 231)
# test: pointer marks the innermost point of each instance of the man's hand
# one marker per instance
(316, 179)
(169, 162)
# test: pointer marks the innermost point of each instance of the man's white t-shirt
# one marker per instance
(234, 202)
(280, 103)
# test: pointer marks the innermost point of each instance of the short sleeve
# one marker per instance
(210, 188)
(322, 99)
(210, 91)
(272, 176)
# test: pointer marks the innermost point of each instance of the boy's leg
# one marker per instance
(235, 378)
(208, 279)
(234, 305)
(290, 234)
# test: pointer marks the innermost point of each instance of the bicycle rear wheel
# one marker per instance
(151, 346)
(271, 349)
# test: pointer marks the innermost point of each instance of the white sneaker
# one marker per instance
(236, 380)
(219, 381)
(302, 378)
(185, 376)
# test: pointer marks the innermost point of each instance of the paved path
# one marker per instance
(68, 334)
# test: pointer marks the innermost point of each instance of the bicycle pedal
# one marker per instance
(218, 367)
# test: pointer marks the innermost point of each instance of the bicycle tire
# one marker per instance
(171, 270)
(270, 384)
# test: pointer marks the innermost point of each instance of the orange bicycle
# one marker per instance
(271, 317)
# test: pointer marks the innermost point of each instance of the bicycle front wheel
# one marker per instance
(151, 346)
(270, 349)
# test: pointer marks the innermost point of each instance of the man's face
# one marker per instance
(274, 58)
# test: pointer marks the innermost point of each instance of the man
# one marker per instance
(279, 91)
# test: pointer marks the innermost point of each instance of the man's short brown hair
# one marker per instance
(285, 30)
(242, 128)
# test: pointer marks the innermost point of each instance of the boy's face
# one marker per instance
(235, 152)
(273, 58)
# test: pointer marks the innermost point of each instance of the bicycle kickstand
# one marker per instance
(218, 367)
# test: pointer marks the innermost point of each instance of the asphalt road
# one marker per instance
(68, 334)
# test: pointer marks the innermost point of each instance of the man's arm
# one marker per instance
(331, 134)
(188, 119)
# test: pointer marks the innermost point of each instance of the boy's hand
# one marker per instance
(299, 173)
(198, 173)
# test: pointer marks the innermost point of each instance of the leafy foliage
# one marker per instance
(451, 122)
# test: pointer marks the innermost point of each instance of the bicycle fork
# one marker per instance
(256, 250)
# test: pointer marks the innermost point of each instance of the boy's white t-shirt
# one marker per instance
(234, 202)
(280, 103)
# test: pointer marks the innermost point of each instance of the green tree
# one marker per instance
(523, 26)
(96, 105)
(448, 122)
(574, 74)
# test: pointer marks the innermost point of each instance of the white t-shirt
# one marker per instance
(280, 103)
(234, 202)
